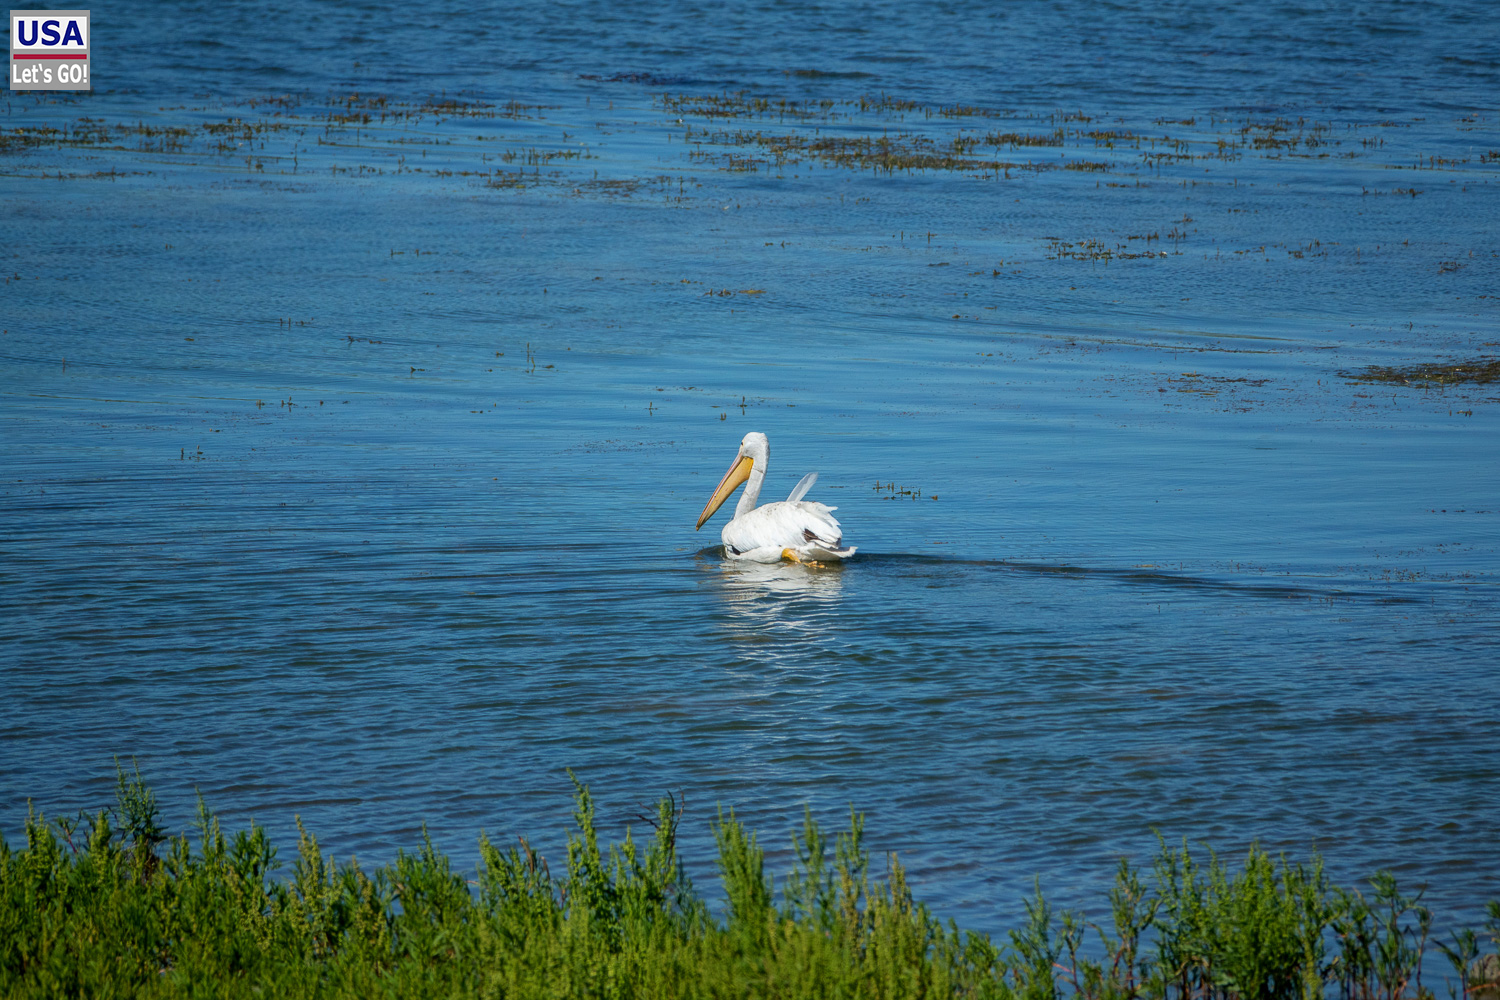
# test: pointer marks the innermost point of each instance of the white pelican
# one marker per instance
(794, 529)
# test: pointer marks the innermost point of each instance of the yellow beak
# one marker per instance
(738, 473)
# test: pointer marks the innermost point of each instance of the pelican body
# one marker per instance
(795, 529)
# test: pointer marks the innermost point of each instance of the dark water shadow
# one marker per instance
(1126, 576)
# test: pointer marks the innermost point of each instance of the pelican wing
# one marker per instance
(803, 485)
(802, 526)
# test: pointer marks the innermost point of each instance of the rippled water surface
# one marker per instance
(365, 370)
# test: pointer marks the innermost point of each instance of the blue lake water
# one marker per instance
(364, 370)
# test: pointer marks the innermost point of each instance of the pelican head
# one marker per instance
(754, 451)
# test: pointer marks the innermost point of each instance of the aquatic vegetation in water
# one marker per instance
(1091, 249)
(364, 135)
(1480, 371)
(889, 152)
(890, 491)
(113, 905)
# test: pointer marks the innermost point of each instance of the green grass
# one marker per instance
(111, 906)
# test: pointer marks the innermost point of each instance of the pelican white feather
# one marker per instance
(796, 529)
(803, 485)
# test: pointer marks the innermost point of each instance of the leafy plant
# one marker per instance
(109, 905)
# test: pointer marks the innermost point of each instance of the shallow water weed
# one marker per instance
(1480, 371)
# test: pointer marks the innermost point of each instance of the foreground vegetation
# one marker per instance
(112, 906)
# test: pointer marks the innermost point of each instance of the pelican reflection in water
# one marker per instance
(795, 609)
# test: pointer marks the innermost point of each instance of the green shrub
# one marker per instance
(110, 906)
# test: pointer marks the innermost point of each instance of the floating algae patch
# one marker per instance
(905, 151)
(1016, 140)
(351, 135)
(1091, 249)
(508, 144)
(1481, 371)
(1225, 140)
